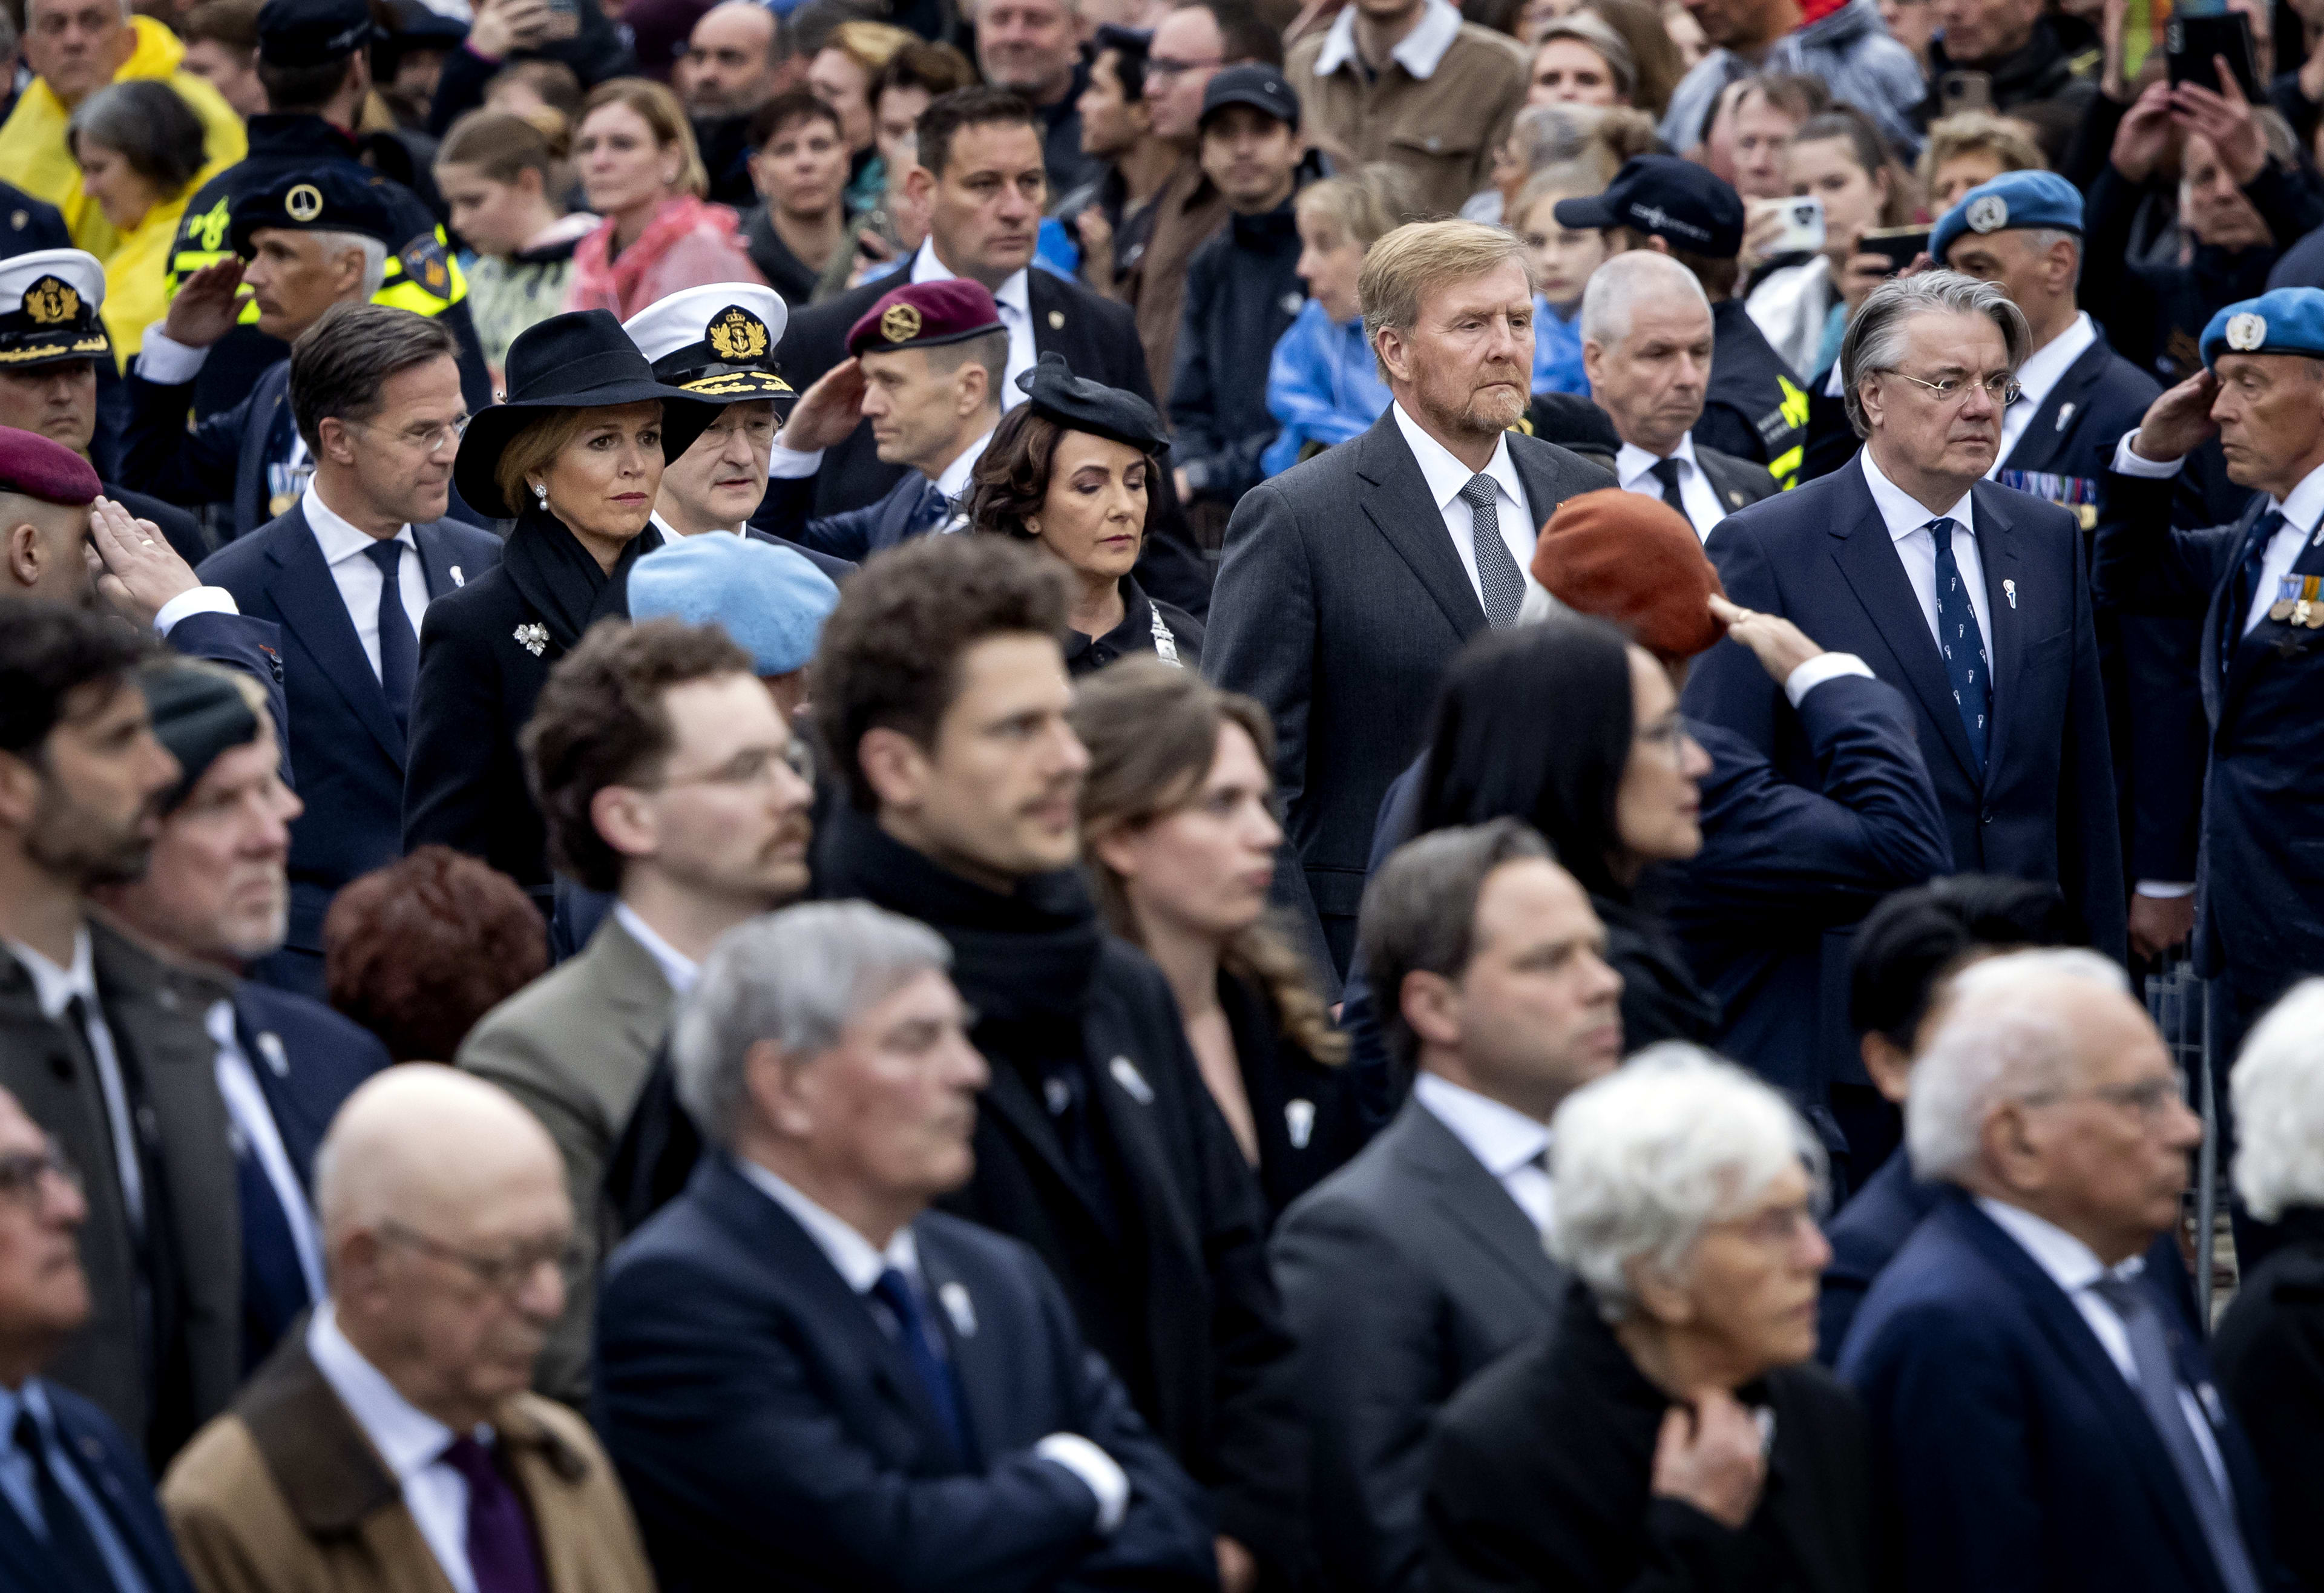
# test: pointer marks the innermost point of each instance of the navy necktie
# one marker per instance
(2248, 570)
(273, 1284)
(1963, 642)
(930, 512)
(895, 1291)
(69, 1539)
(500, 1552)
(399, 647)
(1666, 471)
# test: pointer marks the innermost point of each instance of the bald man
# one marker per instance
(396, 1430)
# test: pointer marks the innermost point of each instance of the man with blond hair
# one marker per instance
(1349, 581)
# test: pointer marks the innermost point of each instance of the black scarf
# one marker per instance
(559, 579)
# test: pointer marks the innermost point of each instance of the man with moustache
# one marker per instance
(1349, 581)
(101, 1042)
(667, 775)
(216, 896)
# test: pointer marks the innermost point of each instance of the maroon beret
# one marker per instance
(923, 314)
(32, 465)
(1632, 559)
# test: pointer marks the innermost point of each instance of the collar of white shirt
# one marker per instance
(671, 533)
(680, 970)
(953, 482)
(1012, 294)
(1500, 1136)
(1633, 463)
(2072, 1265)
(2305, 507)
(1446, 474)
(1902, 513)
(2045, 365)
(850, 1253)
(53, 986)
(407, 1438)
(337, 537)
(1418, 52)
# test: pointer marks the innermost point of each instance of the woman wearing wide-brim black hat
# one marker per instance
(575, 454)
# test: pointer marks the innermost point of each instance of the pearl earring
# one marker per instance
(540, 493)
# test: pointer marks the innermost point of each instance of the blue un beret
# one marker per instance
(2289, 320)
(772, 600)
(2030, 200)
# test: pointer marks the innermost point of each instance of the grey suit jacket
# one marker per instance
(1339, 601)
(1403, 1274)
(1738, 483)
(573, 1046)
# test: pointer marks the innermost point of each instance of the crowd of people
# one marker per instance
(1009, 795)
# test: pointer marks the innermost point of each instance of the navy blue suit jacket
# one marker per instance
(2008, 1451)
(252, 645)
(852, 534)
(308, 1060)
(117, 1478)
(346, 750)
(772, 1435)
(2044, 809)
(222, 459)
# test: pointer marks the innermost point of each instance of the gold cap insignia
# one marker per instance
(303, 203)
(52, 301)
(900, 323)
(735, 334)
(2246, 332)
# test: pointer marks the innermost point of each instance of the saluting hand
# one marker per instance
(2179, 421)
(208, 305)
(1710, 1456)
(1780, 646)
(828, 411)
(135, 569)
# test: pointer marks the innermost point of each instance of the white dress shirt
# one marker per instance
(1014, 298)
(1447, 475)
(859, 1266)
(2301, 512)
(1916, 548)
(2037, 377)
(1509, 1144)
(252, 1122)
(23, 1490)
(357, 578)
(1418, 52)
(53, 988)
(408, 1439)
(2074, 1267)
(679, 969)
(1634, 468)
(785, 464)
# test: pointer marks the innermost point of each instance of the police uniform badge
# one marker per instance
(50, 301)
(737, 335)
(900, 323)
(423, 262)
(1987, 213)
(2246, 331)
(304, 203)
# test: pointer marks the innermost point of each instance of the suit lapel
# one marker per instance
(436, 561)
(1403, 512)
(1011, 1101)
(2221, 676)
(309, 601)
(25, 1560)
(1867, 562)
(1997, 549)
(104, 1483)
(2036, 446)
(981, 1365)
(1472, 1200)
(632, 982)
(1052, 322)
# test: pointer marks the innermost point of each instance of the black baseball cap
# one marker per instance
(1681, 203)
(1261, 88)
(309, 32)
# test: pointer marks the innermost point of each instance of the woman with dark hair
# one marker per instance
(141, 154)
(1073, 469)
(417, 951)
(576, 455)
(1179, 837)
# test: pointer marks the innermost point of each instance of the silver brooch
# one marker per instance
(533, 639)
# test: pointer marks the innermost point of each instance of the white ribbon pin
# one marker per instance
(1126, 1074)
(958, 1306)
(2009, 590)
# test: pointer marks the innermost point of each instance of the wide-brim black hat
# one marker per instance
(580, 360)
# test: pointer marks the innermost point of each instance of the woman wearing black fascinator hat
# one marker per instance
(1073, 469)
(573, 452)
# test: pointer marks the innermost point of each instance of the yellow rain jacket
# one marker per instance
(136, 278)
(32, 139)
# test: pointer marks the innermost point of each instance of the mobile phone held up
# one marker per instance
(1901, 244)
(1803, 231)
(2190, 43)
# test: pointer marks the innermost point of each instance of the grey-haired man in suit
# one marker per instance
(1420, 1262)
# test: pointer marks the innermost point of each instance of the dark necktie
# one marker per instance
(1497, 575)
(501, 1552)
(273, 1284)
(1666, 471)
(1963, 642)
(2158, 1390)
(2247, 569)
(399, 647)
(930, 512)
(69, 1539)
(893, 1289)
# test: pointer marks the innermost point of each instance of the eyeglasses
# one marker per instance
(2001, 387)
(22, 1174)
(425, 439)
(1667, 736)
(1776, 1228)
(2150, 1098)
(502, 1274)
(1162, 66)
(754, 766)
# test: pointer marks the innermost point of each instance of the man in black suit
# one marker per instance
(1419, 1263)
(1973, 595)
(1351, 580)
(216, 895)
(858, 1390)
(379, 411)
(1647, 347)
(101, 1532)
(980, 177)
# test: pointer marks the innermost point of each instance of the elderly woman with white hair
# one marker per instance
(2270, 1346)
(1670, 1430)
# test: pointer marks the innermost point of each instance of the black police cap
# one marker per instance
(309, 32)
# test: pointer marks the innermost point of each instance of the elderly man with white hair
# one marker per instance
(800, 1365)
(2043, 1418)
(2270, 1347)
(1647, 339)
(1671, 1428)
(391, 1444)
